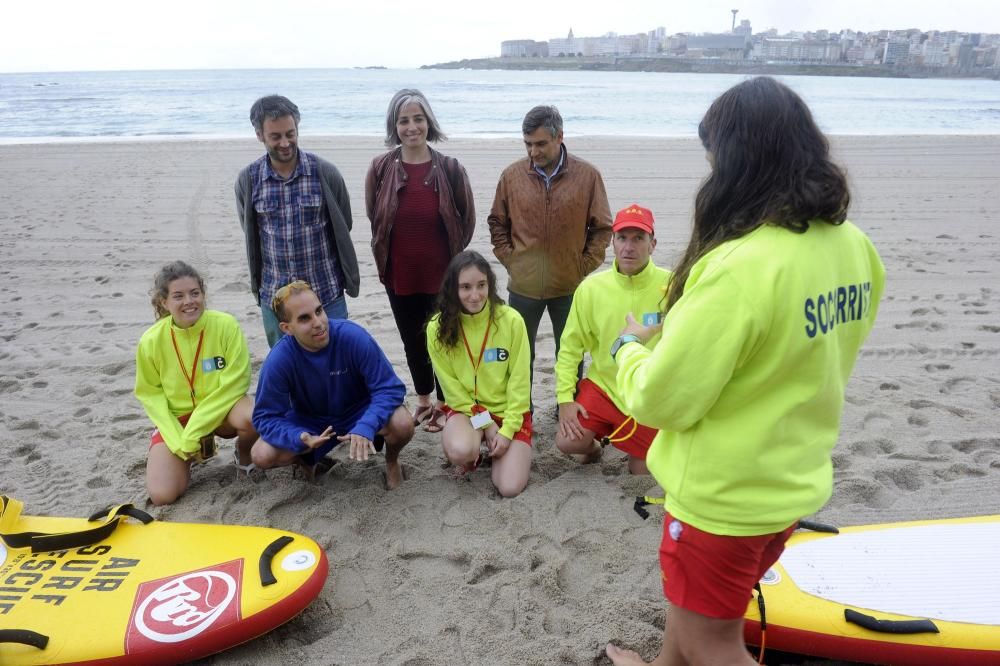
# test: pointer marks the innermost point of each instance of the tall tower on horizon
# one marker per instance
(735, 12)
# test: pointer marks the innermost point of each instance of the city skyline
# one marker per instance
(59, 35)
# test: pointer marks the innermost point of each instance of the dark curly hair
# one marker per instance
(770, 164)
(448, 304)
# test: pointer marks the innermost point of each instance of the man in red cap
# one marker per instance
(590, 413)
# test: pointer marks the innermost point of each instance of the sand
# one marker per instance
(444, 572)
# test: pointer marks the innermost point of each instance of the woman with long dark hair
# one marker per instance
(764, 317)
(422, 213)
(479, 348)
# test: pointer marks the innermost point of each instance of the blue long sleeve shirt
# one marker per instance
(349, 384)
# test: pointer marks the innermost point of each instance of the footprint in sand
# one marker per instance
(112, 369)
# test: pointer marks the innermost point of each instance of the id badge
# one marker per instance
(481, 420)
(208, 447)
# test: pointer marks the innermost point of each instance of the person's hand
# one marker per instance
(644, 333)
(190, 456)
(313, 441)
(569, 420)
(361, 447)
(498, 446)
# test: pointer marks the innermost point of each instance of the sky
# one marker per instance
(71, 35)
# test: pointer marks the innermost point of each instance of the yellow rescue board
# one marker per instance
(924, 592)
(153, 593)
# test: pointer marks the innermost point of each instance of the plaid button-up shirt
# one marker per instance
(294, 234)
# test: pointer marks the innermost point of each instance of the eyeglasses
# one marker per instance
(286, 292)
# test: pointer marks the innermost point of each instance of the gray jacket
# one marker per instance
(338, 206)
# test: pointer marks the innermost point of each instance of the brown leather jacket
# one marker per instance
(386, 177)
(550, 239)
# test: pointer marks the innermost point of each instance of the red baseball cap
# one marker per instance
(634, 216)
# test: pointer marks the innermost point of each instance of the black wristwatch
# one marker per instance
(621, 340)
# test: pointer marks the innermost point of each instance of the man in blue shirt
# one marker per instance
(296, 216)
(325, 383)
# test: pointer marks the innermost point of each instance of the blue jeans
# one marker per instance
(335, 309)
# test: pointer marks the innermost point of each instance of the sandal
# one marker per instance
(250, 470)
(422, 413)
(436, 421)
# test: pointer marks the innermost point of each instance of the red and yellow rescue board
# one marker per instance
(915, 593)
(114, 590)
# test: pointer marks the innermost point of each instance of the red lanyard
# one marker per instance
(194, 365)
(475, 365)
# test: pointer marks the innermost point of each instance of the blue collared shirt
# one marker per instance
(294, 234)
(547, 177)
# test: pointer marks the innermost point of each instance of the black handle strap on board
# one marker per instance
(644, 501)
(42, 542)
(813, 526)
(24, 637)
(890, 626)
(123, 510)
(264, 566)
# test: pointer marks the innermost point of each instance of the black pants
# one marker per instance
(411, 313)
(532, 309)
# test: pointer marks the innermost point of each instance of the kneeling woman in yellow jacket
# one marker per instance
(479, 348)
(192, 372)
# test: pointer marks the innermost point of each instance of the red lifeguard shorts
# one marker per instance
(157, 438)
(714, 575)
(605, 418)
(522, 435)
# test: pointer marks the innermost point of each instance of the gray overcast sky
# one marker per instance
(60, 35)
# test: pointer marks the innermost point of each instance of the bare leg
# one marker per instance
(266, 456)
(511, 470)
(397, 432)
(692, 638)
(239, 423)
(460, 441)
(637, 466)
(167, 476)
(585, 446)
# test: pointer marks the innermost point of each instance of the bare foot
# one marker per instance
(594, 456)
(620, 657)
(393, 474)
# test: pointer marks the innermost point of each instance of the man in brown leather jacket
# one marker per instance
(550, 223)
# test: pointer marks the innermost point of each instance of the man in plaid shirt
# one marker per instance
(296, 216)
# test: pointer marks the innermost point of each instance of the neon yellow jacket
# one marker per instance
(221, 379)
(504, 376)
(747, 383)
(596, 319)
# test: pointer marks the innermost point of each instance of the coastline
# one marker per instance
(444, 572)
(712, 66)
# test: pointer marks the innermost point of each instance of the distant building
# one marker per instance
(523, 48)
(570, 46)
(725, 47)
(796, 50)
(743, 29)
(896, 53)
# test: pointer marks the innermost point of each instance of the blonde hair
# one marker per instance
(284, 293)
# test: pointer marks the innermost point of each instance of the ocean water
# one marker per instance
(468, 103)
